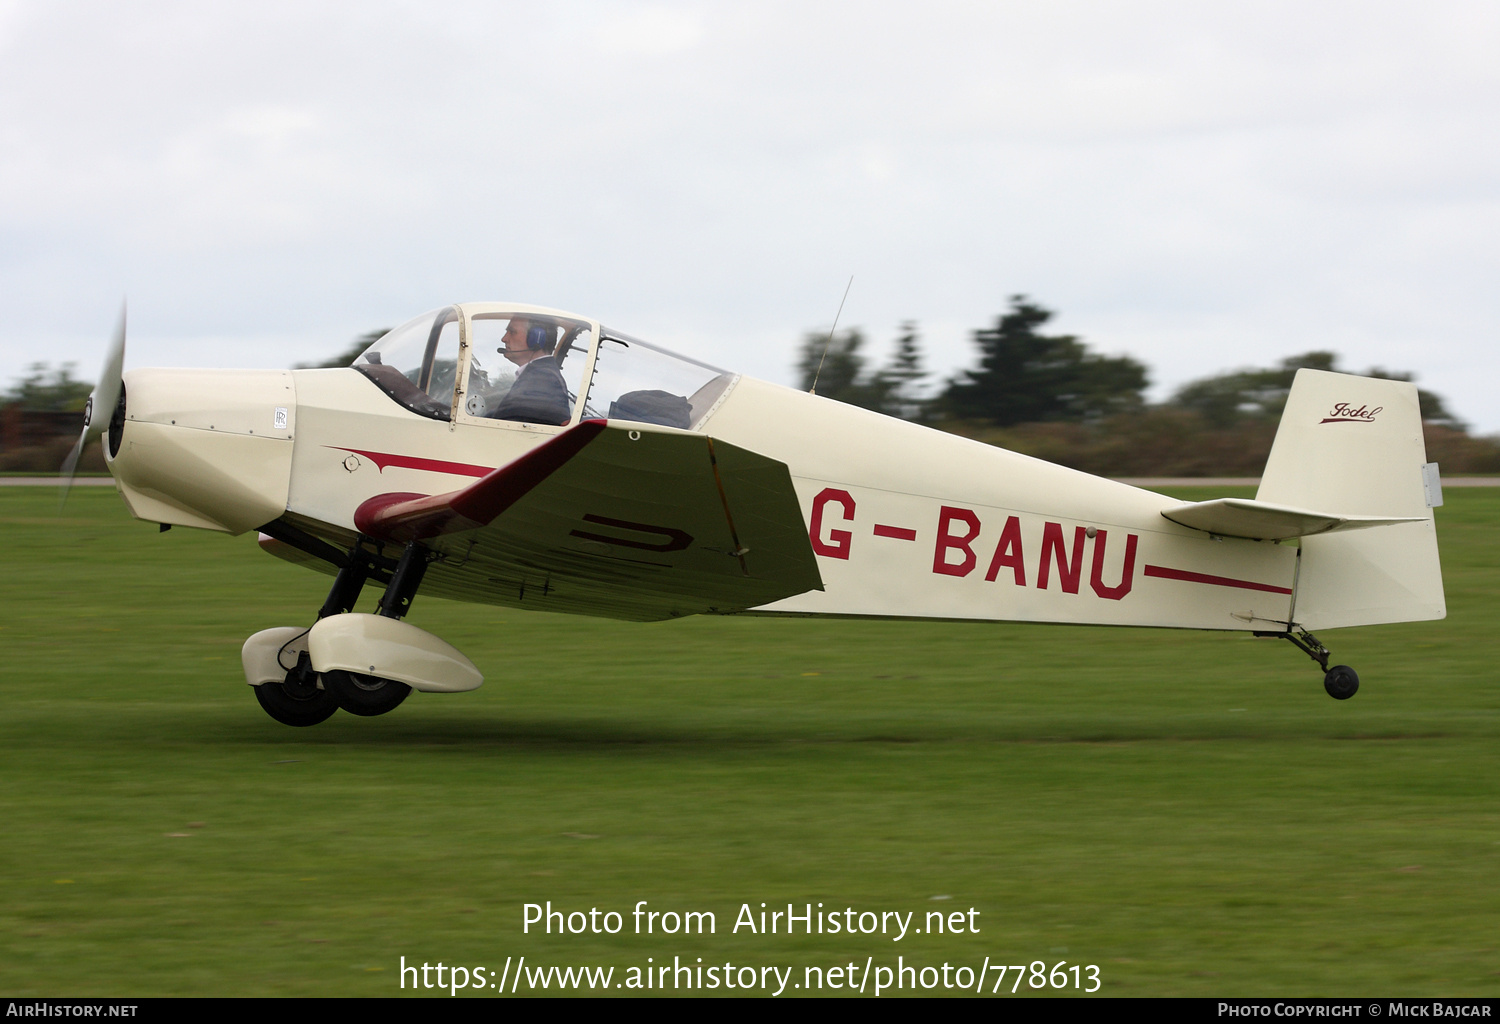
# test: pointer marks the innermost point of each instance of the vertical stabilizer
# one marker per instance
(1353, 445)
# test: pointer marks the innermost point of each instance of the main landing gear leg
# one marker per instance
(396, 601)
(369, 695)
(299, 700)
(1341, 681)
(346, 588)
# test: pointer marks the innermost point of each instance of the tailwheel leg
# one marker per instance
(1341, 681)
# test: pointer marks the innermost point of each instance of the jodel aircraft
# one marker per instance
(531, 458)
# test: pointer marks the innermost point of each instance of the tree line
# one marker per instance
(1048, 395)
(1035, 392)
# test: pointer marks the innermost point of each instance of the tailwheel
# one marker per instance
(364, 695)
(295, 702)
(1341, 682)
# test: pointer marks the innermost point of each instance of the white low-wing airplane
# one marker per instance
(522, 456)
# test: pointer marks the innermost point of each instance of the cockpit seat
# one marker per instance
(653, 407)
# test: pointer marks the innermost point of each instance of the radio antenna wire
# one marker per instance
(814, 389)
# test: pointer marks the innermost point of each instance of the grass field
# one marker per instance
(1190, 812)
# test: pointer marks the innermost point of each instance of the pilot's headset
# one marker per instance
(541, 337)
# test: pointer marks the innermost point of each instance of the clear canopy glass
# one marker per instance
(635, 380)
(526, 367)
(415, 363)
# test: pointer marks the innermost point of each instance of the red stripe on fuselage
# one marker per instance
(1161, 572)
(895, 532)
(384, 459)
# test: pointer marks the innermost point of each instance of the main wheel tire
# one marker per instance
(290, 707)
(365, 695)
(1341, 682)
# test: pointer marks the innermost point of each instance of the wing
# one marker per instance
(639, 523)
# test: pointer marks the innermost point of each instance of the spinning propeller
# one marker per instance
(101, 404)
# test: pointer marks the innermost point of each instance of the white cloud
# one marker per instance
(1202, 186)
(652, 30)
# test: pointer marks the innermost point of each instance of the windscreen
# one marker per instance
(415, 364)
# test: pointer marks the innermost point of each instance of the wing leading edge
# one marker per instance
(632, 523)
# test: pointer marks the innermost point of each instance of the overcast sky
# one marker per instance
(1202, 186)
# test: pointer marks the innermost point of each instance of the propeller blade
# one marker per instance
(101, 404)
(107, 391)
(71, 463)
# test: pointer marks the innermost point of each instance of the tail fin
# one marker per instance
(1353, 445)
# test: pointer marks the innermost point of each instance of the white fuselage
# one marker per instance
(905, 521)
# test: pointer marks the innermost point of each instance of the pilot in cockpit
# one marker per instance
(539, 394)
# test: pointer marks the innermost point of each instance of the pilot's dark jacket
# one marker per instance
(539, 394)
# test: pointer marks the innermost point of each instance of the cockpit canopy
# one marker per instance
(530, 365)
(635, 380)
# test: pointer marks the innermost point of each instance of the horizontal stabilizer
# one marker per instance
(1264, 520)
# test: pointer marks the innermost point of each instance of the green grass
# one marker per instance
(1188, 811)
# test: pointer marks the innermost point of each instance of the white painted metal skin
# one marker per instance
(904, 521)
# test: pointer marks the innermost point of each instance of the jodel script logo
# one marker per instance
(1346, 413)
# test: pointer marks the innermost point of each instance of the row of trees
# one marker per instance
(40, 417)
(1035, 392)
(1048, 395)
(1028, 376)
(1024, 376)
(48, 389)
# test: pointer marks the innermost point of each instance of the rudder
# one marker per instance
(1353, 445)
